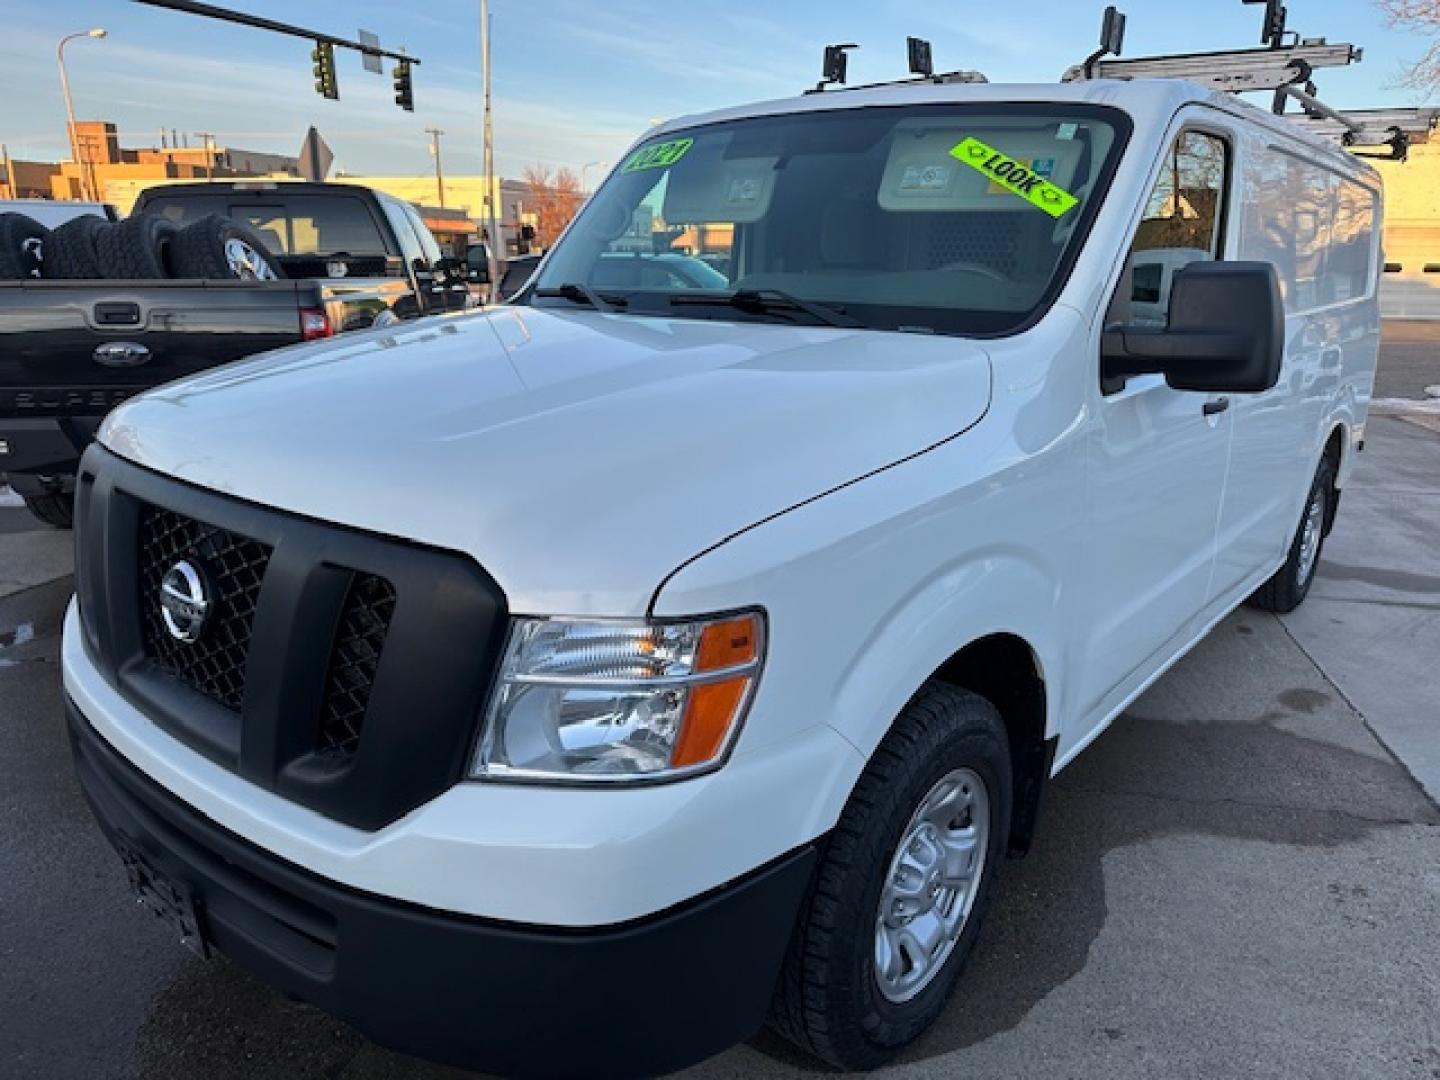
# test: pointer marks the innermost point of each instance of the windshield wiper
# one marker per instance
(771, 300)
(578, 293)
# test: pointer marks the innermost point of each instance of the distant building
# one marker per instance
(118, 174)
(1412, 212)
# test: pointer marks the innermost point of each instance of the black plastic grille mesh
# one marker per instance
(359, 638)
(233, 568)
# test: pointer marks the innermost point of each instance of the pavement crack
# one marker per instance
(1340, 691)
(1254, 804)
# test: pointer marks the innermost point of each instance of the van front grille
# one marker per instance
(233, 568)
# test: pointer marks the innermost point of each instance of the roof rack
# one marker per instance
(921, 66)
(1397, 129)
(1286, 64)
(1236, 71)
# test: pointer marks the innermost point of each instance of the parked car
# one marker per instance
(707, 650)
(199, 275)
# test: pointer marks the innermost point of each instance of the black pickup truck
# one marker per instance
(342, 257)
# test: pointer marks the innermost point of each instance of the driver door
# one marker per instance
(1157, 456)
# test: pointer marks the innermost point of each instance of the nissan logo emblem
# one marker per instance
(184, 602)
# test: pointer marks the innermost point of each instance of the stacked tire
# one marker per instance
(143, 247)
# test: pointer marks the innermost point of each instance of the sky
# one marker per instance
(575, 81)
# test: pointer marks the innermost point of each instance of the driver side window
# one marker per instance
(1183, 223)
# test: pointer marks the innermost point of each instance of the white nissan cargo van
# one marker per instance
(569, 687)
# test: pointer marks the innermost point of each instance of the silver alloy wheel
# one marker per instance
(1311, 534)
(931, 885)
(246, 263)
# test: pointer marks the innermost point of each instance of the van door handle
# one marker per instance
(1216, 406)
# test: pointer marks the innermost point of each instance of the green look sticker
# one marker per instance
(1017, 177)
(658, 156)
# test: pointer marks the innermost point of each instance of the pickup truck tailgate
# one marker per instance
(81, 347)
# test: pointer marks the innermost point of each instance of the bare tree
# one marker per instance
(554, 197)
(1422, 18)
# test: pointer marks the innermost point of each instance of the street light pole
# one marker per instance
(98, 32)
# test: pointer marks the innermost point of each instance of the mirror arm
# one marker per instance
(1148, 350)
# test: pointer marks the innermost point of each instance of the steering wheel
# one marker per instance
(976, 268)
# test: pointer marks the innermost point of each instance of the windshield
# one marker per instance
(945, 219)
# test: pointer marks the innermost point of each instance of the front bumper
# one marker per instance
(639, 998)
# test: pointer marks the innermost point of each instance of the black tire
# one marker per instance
(57, 509)
(1289, 586)
(828, 1001)
(22, 244)
(69, 253)
(199, 251)
(137, 249)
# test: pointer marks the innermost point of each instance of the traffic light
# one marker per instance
(325, 82)
(404, 92)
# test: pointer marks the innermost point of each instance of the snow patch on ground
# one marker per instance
(1403, 406)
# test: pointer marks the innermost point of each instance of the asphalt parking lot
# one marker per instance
(1240, 879)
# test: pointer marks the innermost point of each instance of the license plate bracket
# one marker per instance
(168, 900)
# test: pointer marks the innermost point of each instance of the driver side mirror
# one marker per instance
(1226, 333)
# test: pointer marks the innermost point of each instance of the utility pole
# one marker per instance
(9, 176)
(488, 155)
(435, 134)
(209, 154)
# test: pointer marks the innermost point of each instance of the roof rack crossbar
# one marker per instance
(1236, 71)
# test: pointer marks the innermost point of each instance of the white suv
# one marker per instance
(569, 687)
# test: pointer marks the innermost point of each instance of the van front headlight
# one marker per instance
(600, 701)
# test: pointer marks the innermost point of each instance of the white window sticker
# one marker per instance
(926, 177)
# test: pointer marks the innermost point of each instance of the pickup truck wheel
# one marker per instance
(70, 253)
(57, 509)
(902, 886)
(217, 248)
(1287, 589)
(22, 244)
(137, 249)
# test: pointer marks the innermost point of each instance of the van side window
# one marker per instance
(1182, 224)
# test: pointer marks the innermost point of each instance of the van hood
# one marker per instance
(579, 457)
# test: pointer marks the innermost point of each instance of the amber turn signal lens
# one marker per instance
(713, 707)
(727, 644)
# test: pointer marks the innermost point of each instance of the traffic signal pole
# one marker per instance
(323, 42)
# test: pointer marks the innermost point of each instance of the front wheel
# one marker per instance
(1287, 589)
(902, 886)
